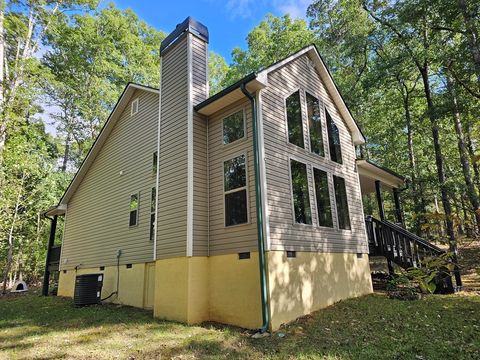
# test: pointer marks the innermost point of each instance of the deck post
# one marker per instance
(378, 191)
(381, 212)
(51, 241)
(398, 207)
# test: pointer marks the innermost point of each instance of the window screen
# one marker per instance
(235, 191)
(294, 119)
(315, 125)
(342, 203)
(322, 195)
(301, 198)
(233, 127)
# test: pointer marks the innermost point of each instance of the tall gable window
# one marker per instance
(342, 203)
(134, 108)
(233, 127)
(134, 198)
(301, 198)
(322, 195)
(315, 125)
(294, 119)
(333, 139)
(235, 191)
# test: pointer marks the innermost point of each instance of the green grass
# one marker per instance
(372, 327)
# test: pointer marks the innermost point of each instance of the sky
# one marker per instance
(228, 21)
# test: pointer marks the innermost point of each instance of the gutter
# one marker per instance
(259, 210)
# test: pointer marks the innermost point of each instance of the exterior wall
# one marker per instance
(132, 285)
(172, 192)
(311, 281)
(98, 213)
(234, 290)
(183, 183)
(217, 288)
(239, 238)
(284, 233)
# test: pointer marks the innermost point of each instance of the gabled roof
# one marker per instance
(259, 80)
(99, 141)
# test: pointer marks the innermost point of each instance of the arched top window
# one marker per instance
(294, 119)
(333, 139)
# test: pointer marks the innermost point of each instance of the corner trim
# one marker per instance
(157, 180)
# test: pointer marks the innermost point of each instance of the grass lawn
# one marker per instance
(372, 327)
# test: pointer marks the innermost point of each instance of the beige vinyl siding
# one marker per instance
(284, 234)
(172, 192)
(200, 180)
(98, 213)
(239, 238)
(200, 186)
(199, 70)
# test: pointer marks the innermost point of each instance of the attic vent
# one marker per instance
(134, 108)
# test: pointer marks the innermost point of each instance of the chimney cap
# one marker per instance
(189, 24)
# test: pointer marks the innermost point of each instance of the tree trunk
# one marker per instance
(464, 158)
(8, 265)
(3, 128)
(471, 154)
(472, 35)
(66, 153)
(440, 169)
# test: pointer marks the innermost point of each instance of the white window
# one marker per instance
(234, 127)
(235, 191)
(134, 108)
(134, 200)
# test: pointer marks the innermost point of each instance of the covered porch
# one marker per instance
(376, 179)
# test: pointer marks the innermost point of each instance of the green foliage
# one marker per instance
(432, 270)
(272, 40)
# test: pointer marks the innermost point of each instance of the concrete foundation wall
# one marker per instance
(131, 290)
(311, 281)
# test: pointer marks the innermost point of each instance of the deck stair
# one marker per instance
(397, 244)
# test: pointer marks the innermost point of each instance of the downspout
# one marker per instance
(259, 210)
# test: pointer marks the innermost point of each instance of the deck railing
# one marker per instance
(397, 244)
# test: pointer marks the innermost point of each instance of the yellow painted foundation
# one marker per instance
(132, 284)
(217, 288)
(225, 289)
(311, 281)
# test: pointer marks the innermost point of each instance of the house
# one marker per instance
(243, 208)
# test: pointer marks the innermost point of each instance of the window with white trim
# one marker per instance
(233, 127)
(134, 200)
(153, 205)
(315, 125)
(322, 196)
(333, 139)
(300, 193)
(294, 119)
(235, 191)
(341, 201)
(134, 107)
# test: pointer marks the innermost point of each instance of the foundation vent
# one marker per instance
(243, 255)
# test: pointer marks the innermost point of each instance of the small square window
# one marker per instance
(233, 127)
(133, 210)
(134, 108)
